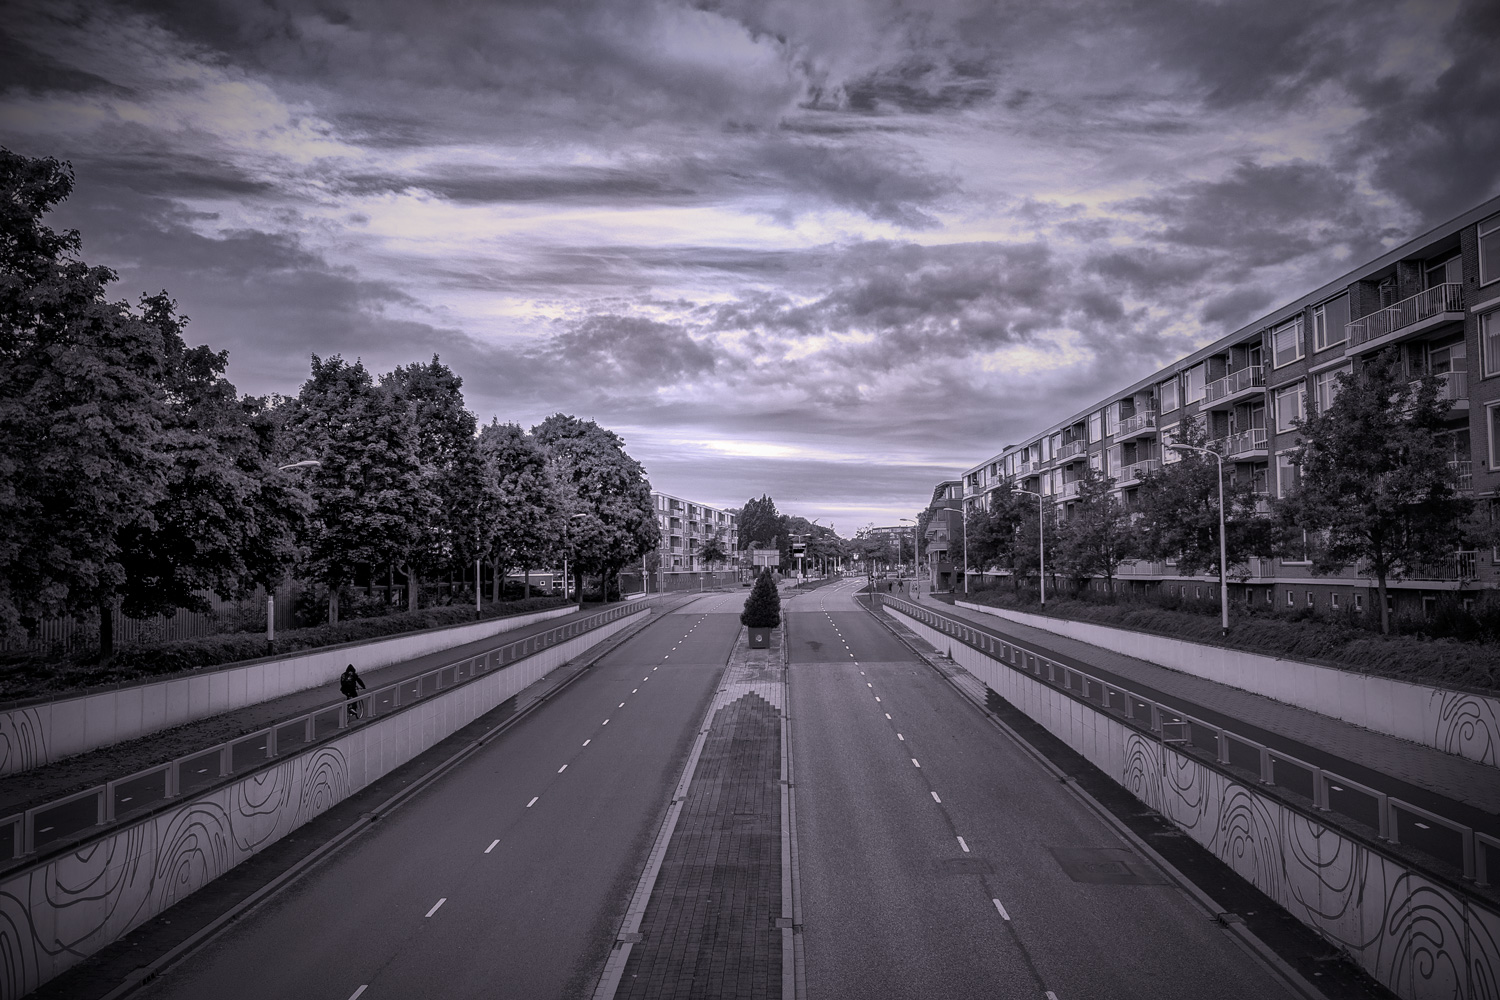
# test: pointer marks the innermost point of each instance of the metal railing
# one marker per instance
(1327, 790)
(1137, 470)
(85, 812)
(1072, 449)
(1070, 489)
(1453, 385)
(1434, 301)
(1135, 423)
(1463, 473)
(1243, 442)
(1246, 378)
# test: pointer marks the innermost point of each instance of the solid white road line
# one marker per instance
(1003, 914)
(963, 845)
(492, 846)
(436, 905)
(562, 769)
(936, 799)
(533, 801)
(356, 994)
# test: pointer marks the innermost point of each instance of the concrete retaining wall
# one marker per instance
(1456, 722)
(1418, 938)
(33, 735)
(54, 915)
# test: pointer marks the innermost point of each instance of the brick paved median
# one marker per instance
(709, 929)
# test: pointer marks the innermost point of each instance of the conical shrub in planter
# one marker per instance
(762, 611)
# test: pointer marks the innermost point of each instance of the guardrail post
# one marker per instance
(1388, 824)
(1267, 772)
(1470, 865)
(1320, 789)
(173, 780)
(226, 760)
(107, 805)
(1221, 747)
(271, 743)
(1155, 722)
(307, 730)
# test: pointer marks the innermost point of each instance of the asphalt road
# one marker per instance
(933, 848)
(509, 875)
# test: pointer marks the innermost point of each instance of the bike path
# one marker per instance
(50, 782)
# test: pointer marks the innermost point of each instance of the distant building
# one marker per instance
(1434, 299)
(942, 551)
(686, 526)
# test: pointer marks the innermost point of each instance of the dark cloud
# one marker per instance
(631, 353)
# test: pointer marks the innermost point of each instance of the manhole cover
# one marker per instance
(963, 866)
(1106, 866)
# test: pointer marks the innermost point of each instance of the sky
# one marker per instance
(831, 252)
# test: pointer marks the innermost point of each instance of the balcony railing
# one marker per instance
(1463, 474)
(1136, 423)
(1460, 565)
(1072, 448)
(1445, 298)
(1137, 470)
(1454, 385)
(1245, 378)
(1243, 443)
(1070, 489)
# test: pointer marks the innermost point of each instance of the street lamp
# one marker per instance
(1223, 547)
(1041, 542)
(902, 567)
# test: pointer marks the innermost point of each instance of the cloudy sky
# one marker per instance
(831, 251)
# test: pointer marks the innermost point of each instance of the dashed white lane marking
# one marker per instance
(620, 705)
(588, 741)
(492, 846)
(888, 715)
(901, 738)
(1051, 995)
(357, 993)
(936, 799)
(562, 769)
(963, 845)
(877, 697)
(604, 723)
(533, 801)
(916, 762)
(436, 905)
(1003, 914)
(632, 691)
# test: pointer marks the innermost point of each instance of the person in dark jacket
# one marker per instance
(349, 685)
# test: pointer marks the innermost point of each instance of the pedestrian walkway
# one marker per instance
(54, 781)
(710, 928)
(1455, 788)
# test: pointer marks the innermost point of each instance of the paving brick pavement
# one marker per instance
(45, 784)
(1470, 790)
(709, 928)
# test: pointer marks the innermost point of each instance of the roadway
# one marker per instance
(933, 848)
(508, 876)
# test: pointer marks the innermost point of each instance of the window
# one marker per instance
(1270, 595)
(1333, 601)
(1325, 386)
(1112, 419)
(1359, 602)
(1331, 323)
(1286, 342)
(1309, 598)
(1291, 599)
(1168, 395)
(1198, 593)
(1114, 464)
(1489, 250)
(1291, 405)
(1319, 328)
(1492, 419)
(1196, 376)
(1489, 342)
(1288, 475)
(1169, 455)
(1096, 427)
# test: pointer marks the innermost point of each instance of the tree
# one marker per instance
(713, 552)
(1096, 535)
(531, 513)
(1374, 476)
(1179, 507)
(761, 523)
(619, 522)
(226, 520)
(993, 527)
(763, 606)
(372, 501)
(450, 469)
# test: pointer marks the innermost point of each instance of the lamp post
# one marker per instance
(902, 568)
(1041, 542)
(1223, 546)
(270, 596)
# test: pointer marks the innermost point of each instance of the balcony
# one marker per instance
(1463, 474)
(1222, 394)
(1245, 445)
(1460, 565)
(1024, 468)
(1454, 387)
(1136, 471)
(1070, 489)
(1422, 311)
(1138, 425)
(1072, 449)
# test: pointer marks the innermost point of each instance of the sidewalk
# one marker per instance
(50, 782)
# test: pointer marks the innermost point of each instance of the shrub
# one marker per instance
(763, 606)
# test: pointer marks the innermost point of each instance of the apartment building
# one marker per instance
(942, 549)
(686, 526)
(1435, 299)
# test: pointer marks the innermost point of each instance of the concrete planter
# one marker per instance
(760, 638)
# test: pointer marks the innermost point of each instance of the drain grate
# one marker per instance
(1106, 866)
